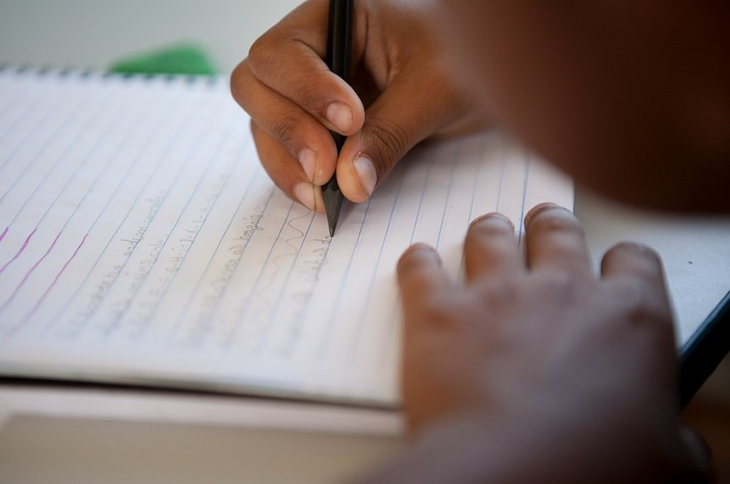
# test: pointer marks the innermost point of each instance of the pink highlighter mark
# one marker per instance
(20, 251)
(30, 271)
(48, 289)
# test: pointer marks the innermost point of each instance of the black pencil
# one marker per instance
(707, 347)
(339, 54)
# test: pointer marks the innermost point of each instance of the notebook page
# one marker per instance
(141, 242)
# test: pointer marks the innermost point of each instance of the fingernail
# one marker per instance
(494, 217)
(421, 249)
(305, 194)
(340, 116)
(318, 199)
(366, 172)
(537, 209)
(308, 160)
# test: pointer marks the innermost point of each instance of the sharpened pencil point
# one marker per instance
(333, 199)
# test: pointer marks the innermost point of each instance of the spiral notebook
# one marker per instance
(141, 242)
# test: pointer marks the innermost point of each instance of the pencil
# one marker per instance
(339, 55)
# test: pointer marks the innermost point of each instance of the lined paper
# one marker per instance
(141, 242)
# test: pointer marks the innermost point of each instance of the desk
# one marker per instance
(51, 434)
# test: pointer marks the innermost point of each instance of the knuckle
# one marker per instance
(282, 130)
(494, 293)
(439, 313)
(270, 59)
(237, 76)
(388, 141)
(261, 52)
(310, 95)
(239, 82)
(641, 304)
(566, 286)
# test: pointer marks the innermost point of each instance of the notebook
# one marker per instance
(142, 243)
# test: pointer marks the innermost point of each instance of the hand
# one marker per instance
(536, 370)
(402, 93)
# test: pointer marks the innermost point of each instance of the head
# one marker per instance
(630, 98)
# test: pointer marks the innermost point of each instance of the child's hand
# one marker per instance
(536, 368)
(401, 94)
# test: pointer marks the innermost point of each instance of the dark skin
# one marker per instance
(290, 94)
(536, 369)
(545, 370)
(632, 99)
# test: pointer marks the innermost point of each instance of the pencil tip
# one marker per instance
(333, 199)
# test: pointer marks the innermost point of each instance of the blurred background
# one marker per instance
(96, 33)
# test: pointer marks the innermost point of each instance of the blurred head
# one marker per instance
(630, 98)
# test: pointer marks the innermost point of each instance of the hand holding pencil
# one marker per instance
(399, 94)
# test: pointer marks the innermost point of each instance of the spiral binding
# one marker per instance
(212, 81)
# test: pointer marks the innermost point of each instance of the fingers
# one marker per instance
(308, 142)
(421, 276)
(555, 241)
(636, 261)
(490, 248)
(490, 251)
(416, 104)
(289, 60)
(278, 165)
(295, 100)
(286, 87)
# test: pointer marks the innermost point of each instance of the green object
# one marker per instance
(179, 59)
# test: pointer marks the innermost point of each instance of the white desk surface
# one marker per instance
(67, 435)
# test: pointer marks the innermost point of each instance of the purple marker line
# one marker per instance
(20, 251)
(48, 289)
(27, 274)
(2, 236)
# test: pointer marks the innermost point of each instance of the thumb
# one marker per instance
(417, 104)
